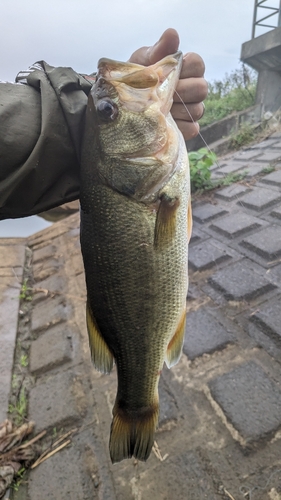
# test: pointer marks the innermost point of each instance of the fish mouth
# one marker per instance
(139, 87)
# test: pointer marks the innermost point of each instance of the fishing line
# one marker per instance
(193, 121)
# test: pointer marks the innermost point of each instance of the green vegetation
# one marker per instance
(24, 360)
(19, 410)
(268, 170)
(200, 162)
(234, 93)
(25, 293)
(200, 175)
(243, 136)
(18, 479)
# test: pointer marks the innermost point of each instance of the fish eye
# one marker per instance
(107, 110)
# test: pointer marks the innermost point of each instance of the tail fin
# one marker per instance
(132, 436)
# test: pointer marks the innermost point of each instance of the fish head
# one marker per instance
(130, 103)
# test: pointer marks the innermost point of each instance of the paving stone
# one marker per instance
(252, 170)
(204, 334)
(51, 349)
(59, 477)
(241, 280)
(274, 274)
(46, 252)
(264, 341)
(9, 307)
(58, 401)
(46, 268)
(270, 156)
(180, 477)
(268, 319)
(195, 236)
(266, 242)
(276, 135)
(246, 155)
(207, 212)
(232, 192)
(260, 199)
(207, 254)
(230, 168)
(273, 178)
(250, 400)
(50, 312)
(52, 285)
(276, 213)
(235, 225)
(269, 143)
(168, 407)
(12, 256)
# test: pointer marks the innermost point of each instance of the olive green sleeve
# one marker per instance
(41, 124)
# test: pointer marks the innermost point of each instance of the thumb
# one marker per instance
(166, 45)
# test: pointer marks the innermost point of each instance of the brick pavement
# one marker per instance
(220, 419)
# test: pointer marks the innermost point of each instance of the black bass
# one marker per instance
(135, 224)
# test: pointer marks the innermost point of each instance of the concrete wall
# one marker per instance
(224, 127)
(264, 54)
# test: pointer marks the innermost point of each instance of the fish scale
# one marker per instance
(134, 231)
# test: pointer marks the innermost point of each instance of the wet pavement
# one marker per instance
(219, 433)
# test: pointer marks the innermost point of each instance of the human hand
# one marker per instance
(192, 88)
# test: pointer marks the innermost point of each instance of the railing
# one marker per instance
(273, 16)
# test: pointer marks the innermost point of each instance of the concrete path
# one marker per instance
(220, 423)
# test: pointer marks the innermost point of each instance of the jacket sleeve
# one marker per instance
(41, 125)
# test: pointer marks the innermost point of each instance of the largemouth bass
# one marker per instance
(135, 222)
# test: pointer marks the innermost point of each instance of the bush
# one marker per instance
(243, 136)
(200, 162)
(235, 92)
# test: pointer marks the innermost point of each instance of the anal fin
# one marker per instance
(101, 355)
(165, 226)
(174, 349)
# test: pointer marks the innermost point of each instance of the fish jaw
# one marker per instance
(139, 136)
(140, 86)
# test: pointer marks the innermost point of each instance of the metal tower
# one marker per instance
(266, 11)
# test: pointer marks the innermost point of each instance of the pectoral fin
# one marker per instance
(101, 356)
(165, 226)
(175, 346)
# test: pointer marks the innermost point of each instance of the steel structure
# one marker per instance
(273, 12)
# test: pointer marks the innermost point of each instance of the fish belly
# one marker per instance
(136, 295)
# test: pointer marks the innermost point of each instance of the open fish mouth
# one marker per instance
(139, 86)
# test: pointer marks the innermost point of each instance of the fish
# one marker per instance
(135, 227)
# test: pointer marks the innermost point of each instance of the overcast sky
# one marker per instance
(77, 33)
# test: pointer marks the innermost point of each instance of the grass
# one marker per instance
(243, 136)
(18, 479)
(19, 409)
(24, 360)
(25, 293)
(237, 91)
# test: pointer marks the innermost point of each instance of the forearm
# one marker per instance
(40, 129)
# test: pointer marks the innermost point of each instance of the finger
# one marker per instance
(191, 90)
(194, 113)
(167, 44)
(192, 66)
(189, 130)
